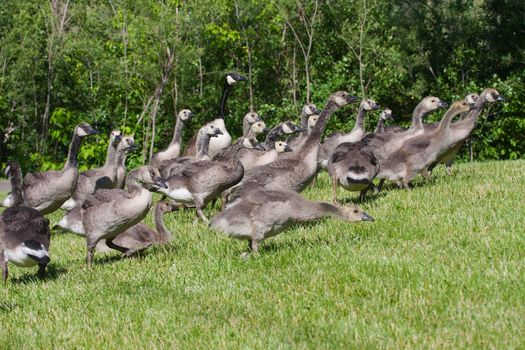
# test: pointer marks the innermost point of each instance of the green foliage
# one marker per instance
(109, 60)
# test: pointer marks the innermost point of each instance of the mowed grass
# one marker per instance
(441, 267)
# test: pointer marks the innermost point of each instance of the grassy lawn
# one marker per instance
(443, 266)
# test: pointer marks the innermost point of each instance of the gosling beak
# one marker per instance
(471, 106)
(218, 131)
(500, 98)
(442, 104)
(266, 129)
(191, 114)
(317, 111)
(118, 138)
(298, 129)
(288, 148)
(352, 99)
(158, 182)
(259, 147)
(132, 148)
(366, 217)
(376, 107)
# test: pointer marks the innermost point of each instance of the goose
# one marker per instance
(107, 213)
(173, 150)
(172, 166)
(357, 133)
(287, 127)
(24, 232)
(255, 157)
(294, 170)
(139, 237)
(352, 168)
(91, 180)
(249, 119)
(225, 139)
(422, 150)
(47, 191)
(202, 181)
(385, 115)
(128, 142)
(448, 158)
(72, 220)
(262, 213)
(308, 113)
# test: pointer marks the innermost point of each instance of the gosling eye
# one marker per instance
(356, 211)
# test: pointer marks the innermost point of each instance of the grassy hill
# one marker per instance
(443, 266)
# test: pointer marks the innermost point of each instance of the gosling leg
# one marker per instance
(334, 190)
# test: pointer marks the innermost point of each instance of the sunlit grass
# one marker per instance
(441, 267)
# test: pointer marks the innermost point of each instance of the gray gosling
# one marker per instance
(104, 177)
(140, 237)
(260, 214)
(309, 115)
(24, 232)
(173, 149)
(356, 134)
(284, 128)
(249, 119)
(223, 140)
(107, 213)
(128, 143)
(47, 191)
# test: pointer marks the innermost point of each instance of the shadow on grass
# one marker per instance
(52, 273)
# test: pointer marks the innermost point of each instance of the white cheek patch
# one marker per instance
(81, 132)
(230, 80)
(286, 129)
(489, 98)
(340, 101)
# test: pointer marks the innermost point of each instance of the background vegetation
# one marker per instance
(132, 64)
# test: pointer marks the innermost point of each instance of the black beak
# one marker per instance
(317, 111)
(118, 138)
(298, 129)
(500, 98)
(132, 148)
(266, 129)
(218, 131)
(159, 183)
(92, 131)
(377, 107)
(471, 106)
(191, 114)
(442, 104)
(366, 217)
(288, 148)
(241, 78)
(259, 147)
(352, 99)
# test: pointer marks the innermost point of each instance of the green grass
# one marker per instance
(443, 266)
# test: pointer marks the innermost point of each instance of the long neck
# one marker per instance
(226, 90)
(304, 120)
(177, 133)
(15, 177)
(273, 136)
(246, 127)
(473, 115)
(132, 183)
(313, 139)
(251, 134)
(447, 118)
(164, 235)
(121, 158)
(203, 144)
(317, 210)
(111, 158)
(72, 155)
(380, 125)
(417, 117)
(360, 120)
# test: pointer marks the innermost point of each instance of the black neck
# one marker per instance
(72, 155)
(15, 177)
(226, 90)
(273, 136)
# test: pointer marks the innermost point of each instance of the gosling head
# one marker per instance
(342, 98)
(115, 137)
(312, 120)
(84, 129)
(281, 147)
(355, 214)
(233, 78)
(252, 117)
(259, 127)
(149, 178)
(432, 103)
(128, 144)
(185, 115)
(472, 98)
(369, 105)
(252, 143)
(212, 131)
(491, 95)
(12, 169)
(167, 206)
(386, 114)
(289, 127)
(310, 109)
(462, 106)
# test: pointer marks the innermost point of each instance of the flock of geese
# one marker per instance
(258, 183)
